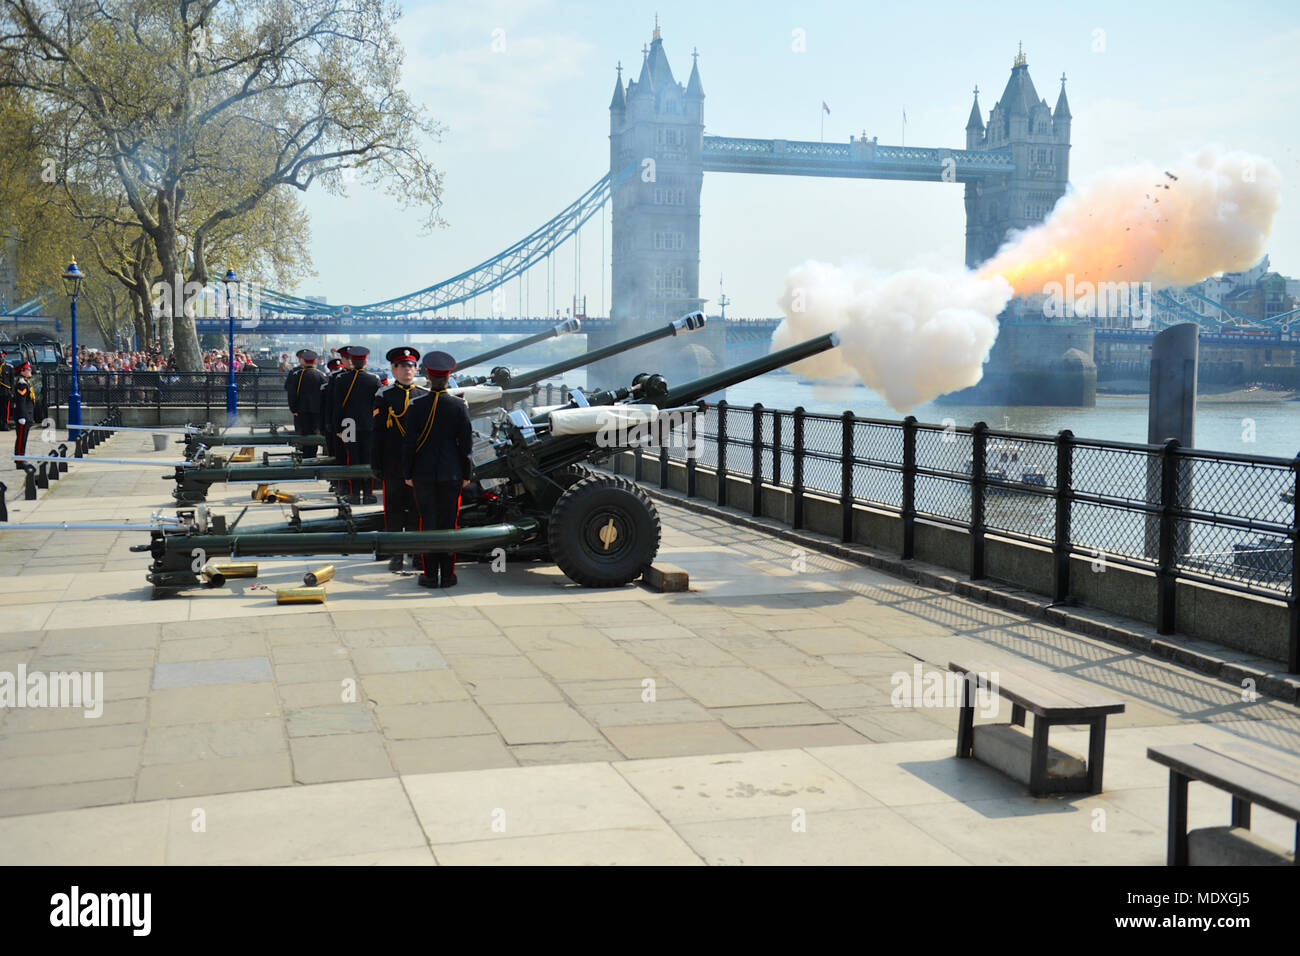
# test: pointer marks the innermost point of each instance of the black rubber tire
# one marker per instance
(584, 513)
(570, 475)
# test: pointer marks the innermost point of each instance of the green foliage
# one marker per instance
(183, 131)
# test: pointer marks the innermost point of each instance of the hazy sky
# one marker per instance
(527, 128)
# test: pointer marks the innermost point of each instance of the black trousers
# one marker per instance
(6, 408)
(358, 453)
(439, 506)
(20, 440)
(307, 423)
(400, 513)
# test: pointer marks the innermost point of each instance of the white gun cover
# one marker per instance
(587, 421)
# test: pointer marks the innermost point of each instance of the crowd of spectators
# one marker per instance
(153, 360)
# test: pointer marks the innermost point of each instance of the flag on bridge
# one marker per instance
(826, 108)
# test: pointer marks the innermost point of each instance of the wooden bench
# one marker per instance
(1250, 772)
(1053, 699)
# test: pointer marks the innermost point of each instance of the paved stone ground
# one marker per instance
(519, 718)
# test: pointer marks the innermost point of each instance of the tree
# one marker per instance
(201, 110)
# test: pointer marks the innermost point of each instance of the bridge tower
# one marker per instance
(1039, 140)
(1033, 361)
(656, 124)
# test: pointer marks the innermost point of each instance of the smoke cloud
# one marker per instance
(1211, 212)
(914, 335)
(909, 336)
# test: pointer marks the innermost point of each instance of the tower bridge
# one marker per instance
(1013, 166)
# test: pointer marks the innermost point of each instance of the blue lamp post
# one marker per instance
(232, 393)
(72, 279)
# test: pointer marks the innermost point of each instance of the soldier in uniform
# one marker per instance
(335, 365)
(24, 408)
(304, 387)
(6, 392)
(392, 407)
(352, 406)
(436, 462)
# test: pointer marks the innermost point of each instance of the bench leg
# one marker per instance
(1240, 812)
(1038, 758)
(1018, 715)
(1177, 854)
(966, 719)
(1096, 752)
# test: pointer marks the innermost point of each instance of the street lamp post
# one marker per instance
(72, 279)
(232, 393)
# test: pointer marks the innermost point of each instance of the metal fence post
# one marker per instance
(1293, 605)
(722, 453)
(756, 467)
(663, 457)
(847, 454)
(908, 506)
(1166, 571)
(796, 483)
(691, 453)
(776, 448)
(978, 490)
(1064, 502)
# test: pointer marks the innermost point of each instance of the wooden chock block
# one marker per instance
(666, 577)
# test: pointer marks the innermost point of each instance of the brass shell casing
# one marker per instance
(300, 596)
(238, 570)
(260, 492)
(212, 575)
(319, 576)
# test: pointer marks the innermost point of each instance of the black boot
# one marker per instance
(428, 582)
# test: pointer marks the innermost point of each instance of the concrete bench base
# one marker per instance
(1008, 748)
(1233, 846)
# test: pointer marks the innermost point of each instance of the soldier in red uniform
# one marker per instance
(352, 407)
(24, 408)
(392, 407)
(436, 462)
(303, 386)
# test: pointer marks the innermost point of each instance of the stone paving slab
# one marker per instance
(522, 672)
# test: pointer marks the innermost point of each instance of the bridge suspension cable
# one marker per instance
(535, 248)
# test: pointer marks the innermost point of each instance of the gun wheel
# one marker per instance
(570, 475)
(604, 532)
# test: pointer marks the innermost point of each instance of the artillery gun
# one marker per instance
(531, 495)
(192, 484)
(502, 377)
(276, 435)
(489, 397)
(567, 327)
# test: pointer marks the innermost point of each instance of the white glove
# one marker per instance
(22, 421)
